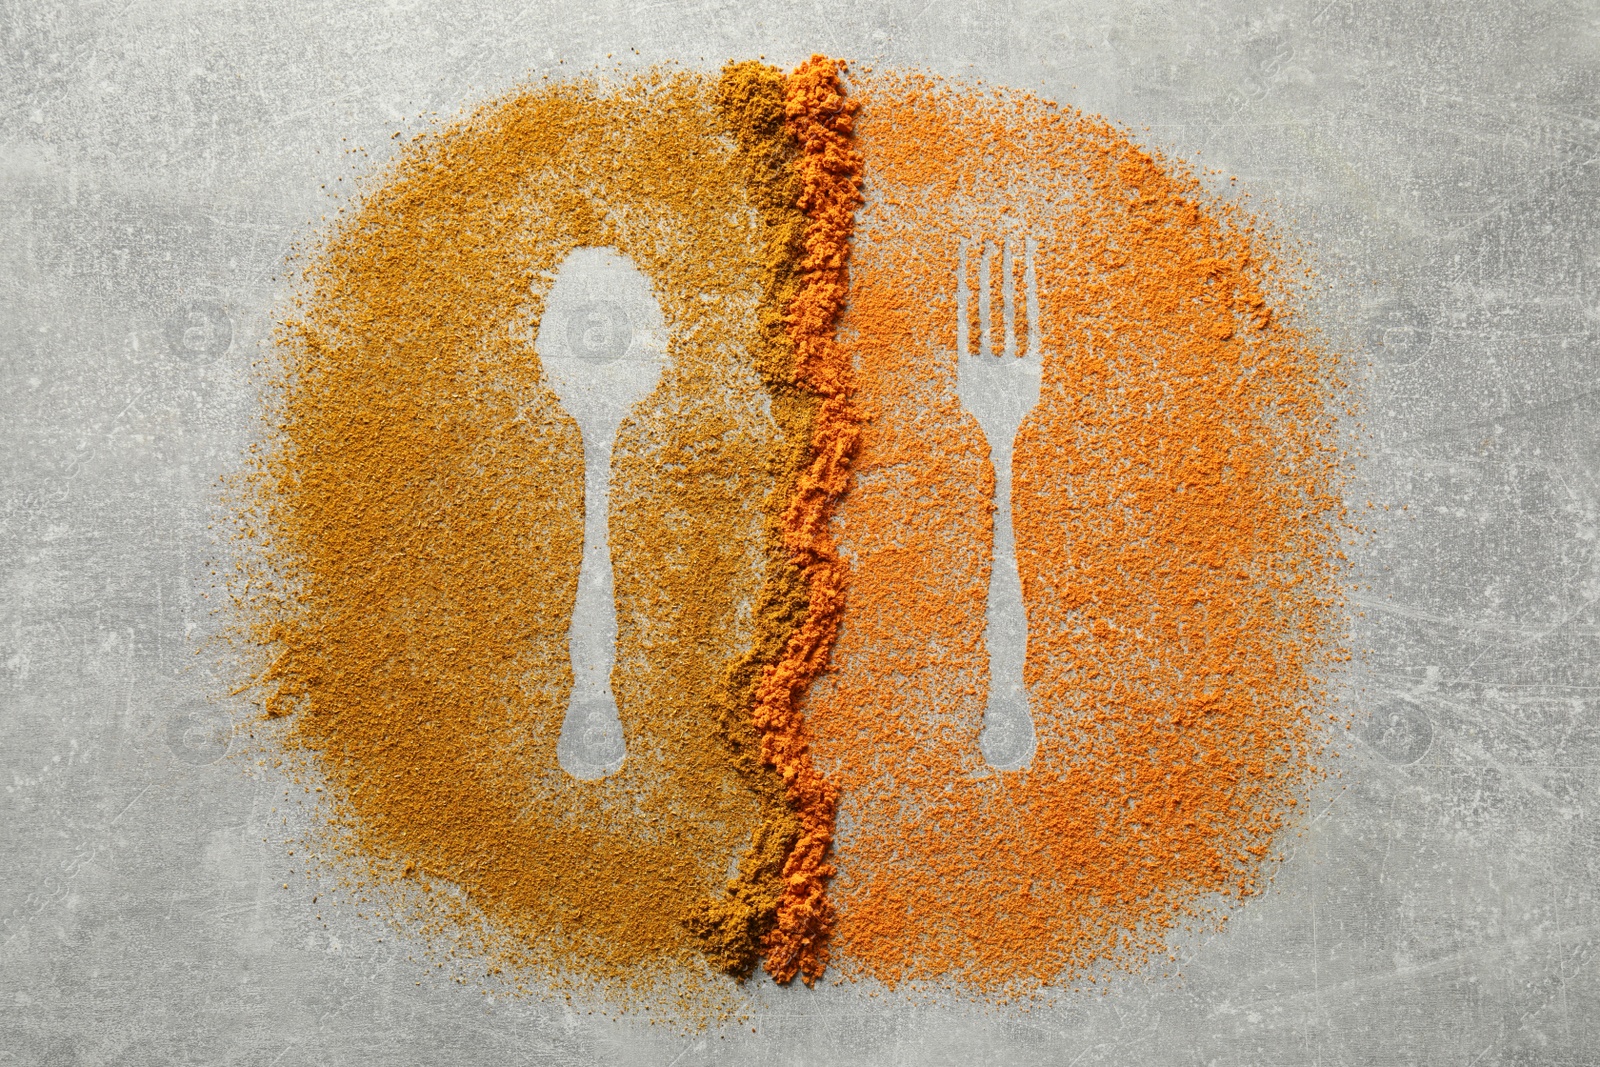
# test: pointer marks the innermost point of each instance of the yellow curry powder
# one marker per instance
(423, 502)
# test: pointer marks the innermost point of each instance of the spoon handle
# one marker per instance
(591, 744)
(593, 633)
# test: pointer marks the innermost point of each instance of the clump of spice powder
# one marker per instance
(1175, 511)
(421, 502)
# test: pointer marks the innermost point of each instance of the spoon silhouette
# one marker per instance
(602, 346)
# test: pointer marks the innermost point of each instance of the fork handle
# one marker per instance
(1006, 633)
(1007, 739)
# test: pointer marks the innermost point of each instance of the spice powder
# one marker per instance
(1175, 511)
(424, 503)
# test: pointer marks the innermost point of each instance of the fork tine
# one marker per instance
(1030, 281)
(963, 300)
(1008, 270)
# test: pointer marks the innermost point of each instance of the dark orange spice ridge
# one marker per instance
(822, 120)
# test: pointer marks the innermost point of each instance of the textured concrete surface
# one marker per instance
(1440, 904)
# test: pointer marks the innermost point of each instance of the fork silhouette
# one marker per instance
(998, 382)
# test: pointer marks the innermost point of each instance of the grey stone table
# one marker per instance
(1441, 899)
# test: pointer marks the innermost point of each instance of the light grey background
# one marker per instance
(1440, 903)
